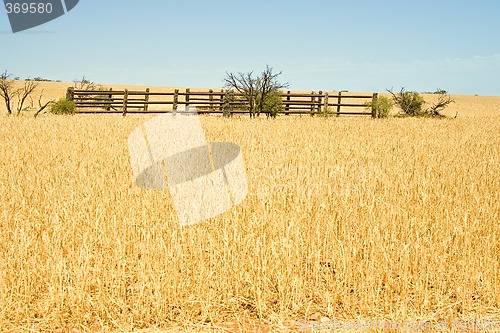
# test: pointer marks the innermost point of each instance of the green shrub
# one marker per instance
(63, 106)
(227, 100)
(231, 102)
(273, 104)
(382, 106)
(104, 100)
(411, 103)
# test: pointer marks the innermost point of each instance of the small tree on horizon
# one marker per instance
(255, 89)
(84, 84)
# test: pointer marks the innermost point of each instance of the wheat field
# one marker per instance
(345, 218)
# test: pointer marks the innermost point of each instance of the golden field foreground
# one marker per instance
(346, 218)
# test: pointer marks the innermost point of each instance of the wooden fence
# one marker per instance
(130, 101)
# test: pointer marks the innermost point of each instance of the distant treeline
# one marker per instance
(437, 92)
(39, 79)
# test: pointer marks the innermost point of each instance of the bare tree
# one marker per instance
(24, 92)
(85, 84)
(255, 89)
(268, 83)
(11, 94)
(7, 90)
(443, 101)
(246, 85)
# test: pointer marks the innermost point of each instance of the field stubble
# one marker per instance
(385, 219)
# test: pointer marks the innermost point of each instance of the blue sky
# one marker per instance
(318, 45)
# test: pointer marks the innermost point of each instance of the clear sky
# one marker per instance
(318, 45)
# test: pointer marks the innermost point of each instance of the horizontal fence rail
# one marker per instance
(216, 102)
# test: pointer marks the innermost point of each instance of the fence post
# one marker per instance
(313, 100)
(374, 101)
(287, 106)
(325, 110)
(146, 100)
(110, 99)
(222, 94)
(176, 100)
(70, 94)
(320, 101)
(187, 98)
(125, 101)
(339, 101)
(211, 99)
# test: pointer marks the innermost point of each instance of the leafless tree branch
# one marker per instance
(25, 92)
(255, 89)
(40, 106)
(84, 84)
(443, 101)
(7, 91)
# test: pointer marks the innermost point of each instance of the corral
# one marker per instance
(212, 102)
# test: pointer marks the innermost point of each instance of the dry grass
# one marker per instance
(345, 218)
